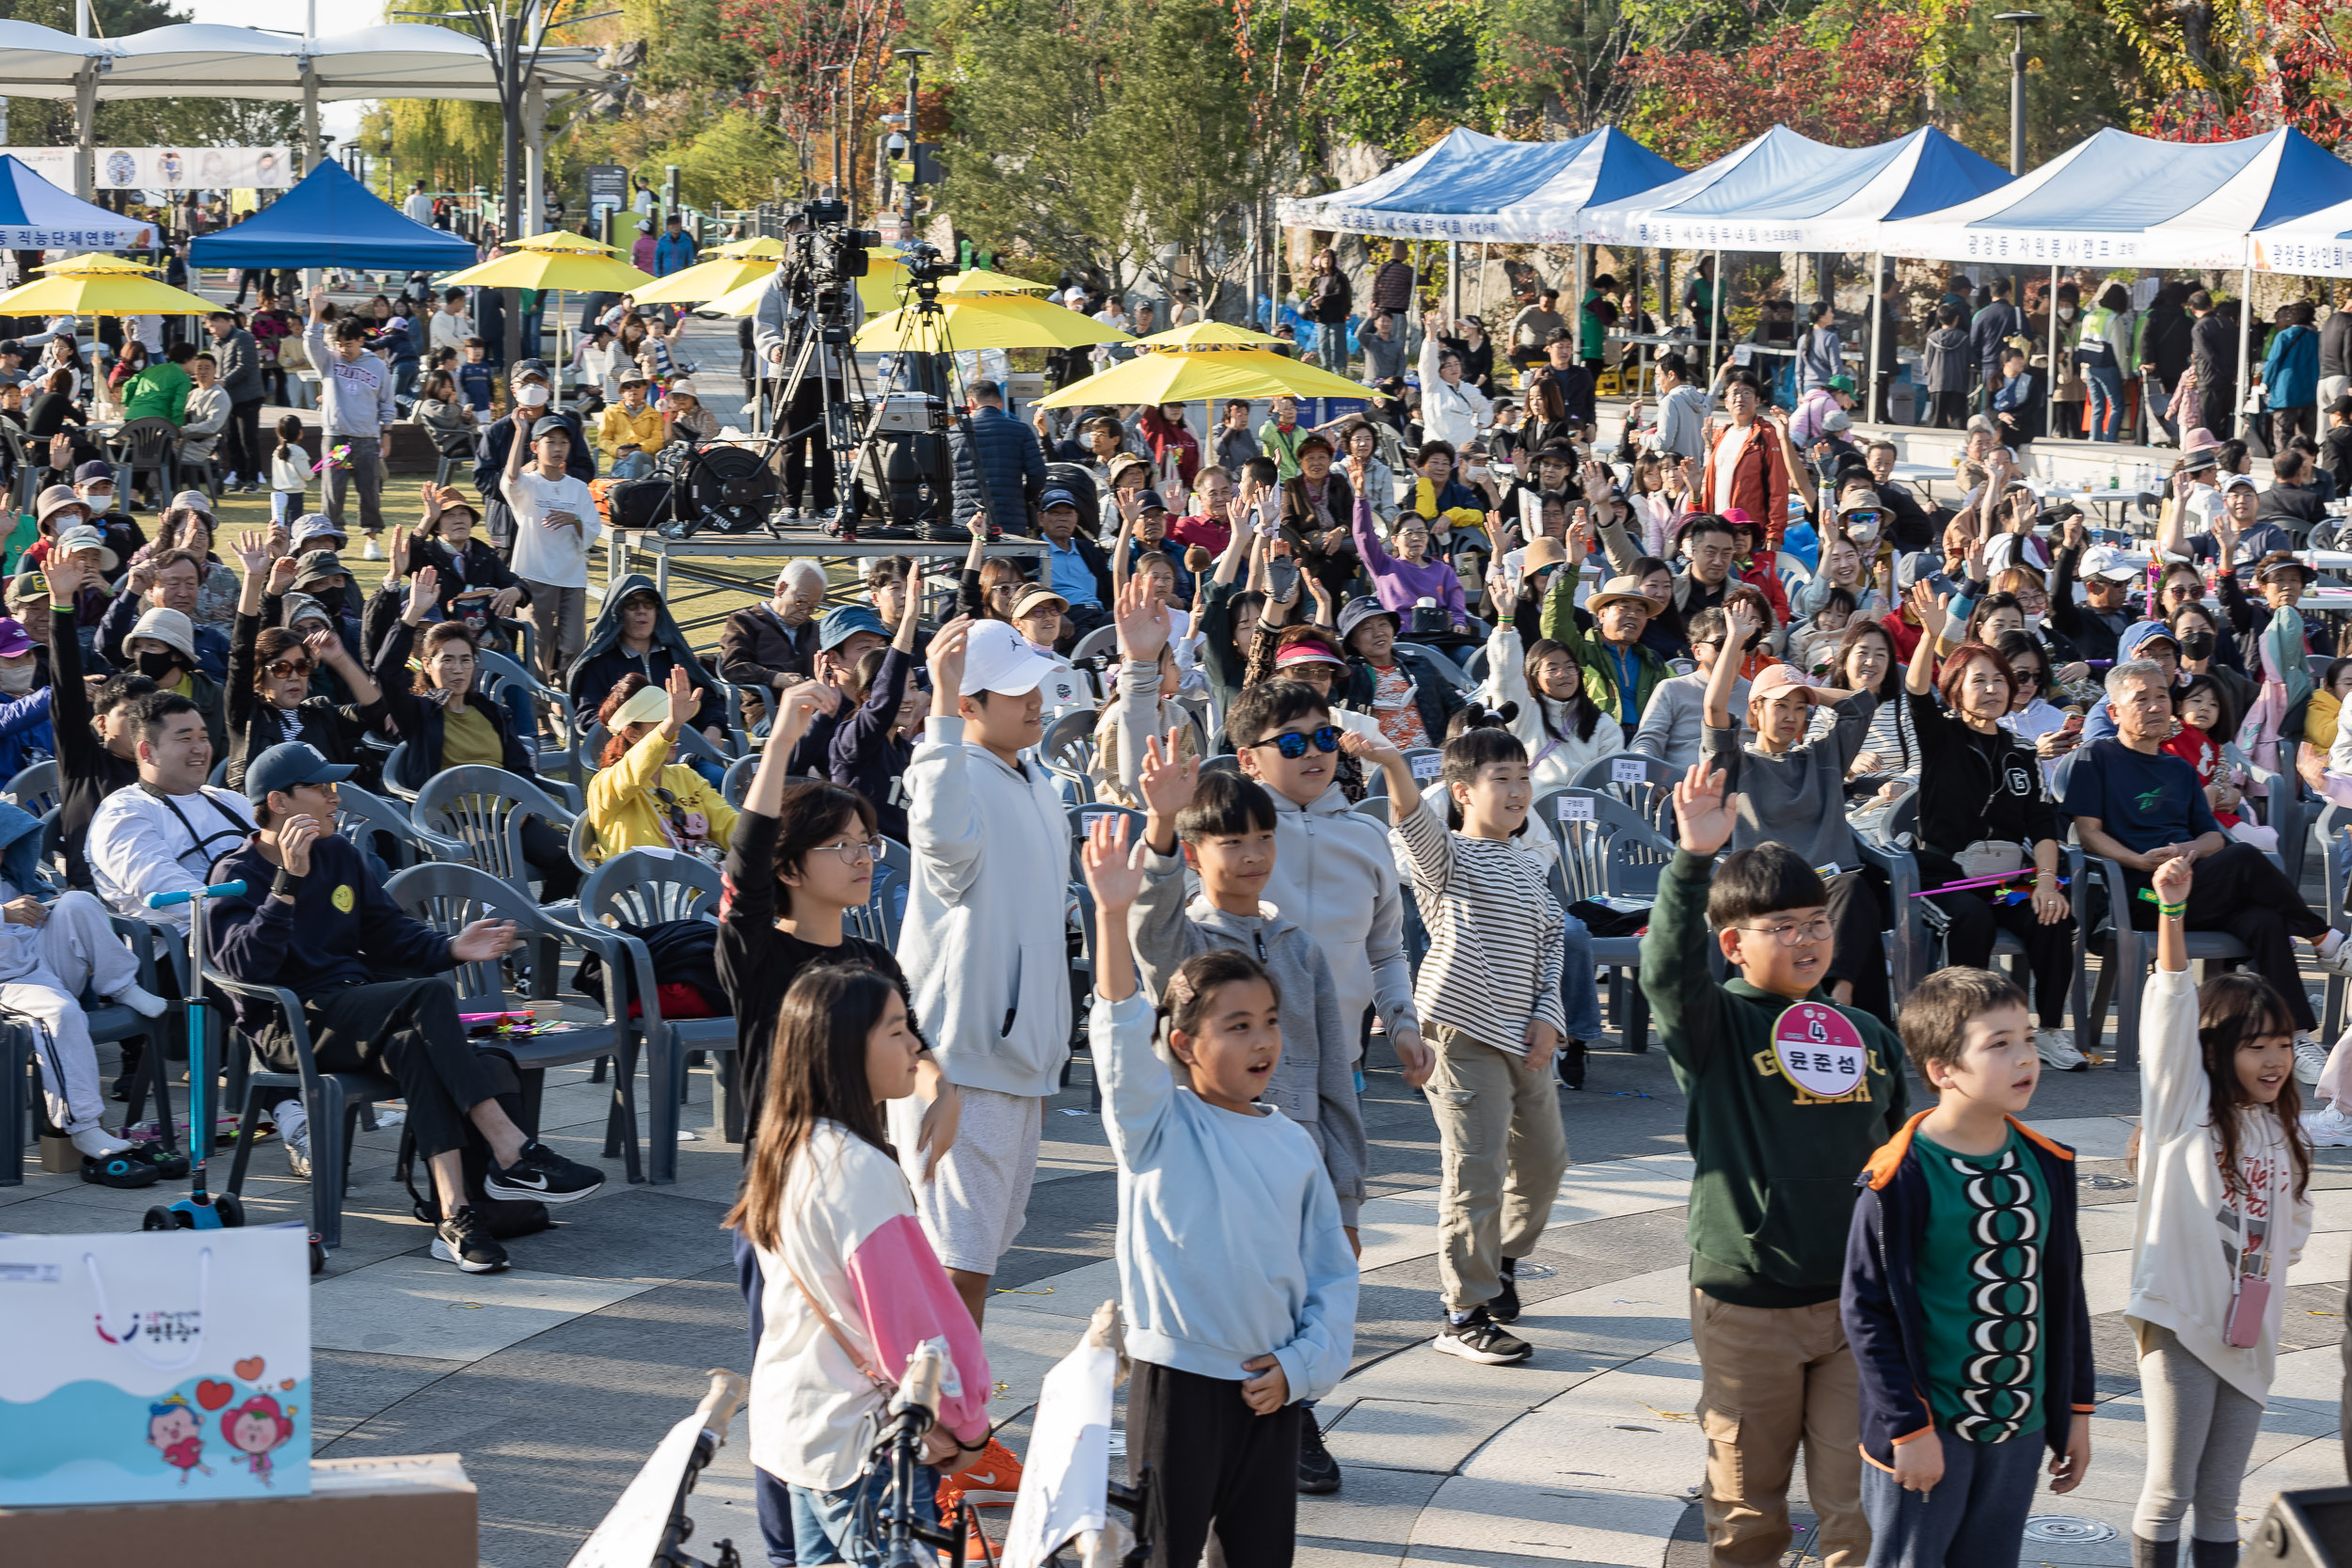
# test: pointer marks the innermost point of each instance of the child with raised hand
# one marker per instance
(1236, 1277)
(1489, 997)
(871, 749)
(848, 1285)
(1963, 1294)
(2224, 1210)
(1789, 1094)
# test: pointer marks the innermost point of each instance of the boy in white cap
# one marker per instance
(555, 522)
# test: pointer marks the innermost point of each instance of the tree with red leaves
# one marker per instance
(2242, 69)
(792, 39)
(1852, 74)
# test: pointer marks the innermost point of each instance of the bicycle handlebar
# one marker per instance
(219, 890)
(717, 1410)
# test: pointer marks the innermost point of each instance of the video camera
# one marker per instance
(825, 260)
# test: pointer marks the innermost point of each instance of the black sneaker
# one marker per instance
(462, 1238)
(170, 1165)
(1479, 1337)
(123, 1168)
(1318, 1472)
(1569, 1065)
(542, 1174)
(1505, 1307)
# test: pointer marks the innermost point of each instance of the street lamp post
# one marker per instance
(914, 58)
(2020, 21)
(833, 127)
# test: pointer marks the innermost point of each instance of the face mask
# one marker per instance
(1864, 534)
(16, 680)
(159, 666)
(530, 396)
(2066, 313)
(2197, 644)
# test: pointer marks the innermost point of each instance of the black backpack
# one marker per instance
(506, 1218)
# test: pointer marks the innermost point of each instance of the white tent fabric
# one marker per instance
(1474, 186)
(2121, 200)
(2316, 244)
(1783, 191)
(397, 60)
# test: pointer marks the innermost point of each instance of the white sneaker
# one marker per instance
(2056, 1047)
(2328, 1128)
(2339, 961)
(371, 552)
(2311, 1059)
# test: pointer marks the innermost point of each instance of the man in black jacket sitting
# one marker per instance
(316, 921)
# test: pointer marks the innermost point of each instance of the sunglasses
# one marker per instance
(1292, 744)
(284, 667)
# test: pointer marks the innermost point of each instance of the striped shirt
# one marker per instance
(1496, 940)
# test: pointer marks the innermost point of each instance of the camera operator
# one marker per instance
(810, 289)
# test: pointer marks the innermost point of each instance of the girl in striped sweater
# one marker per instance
(1489, 997)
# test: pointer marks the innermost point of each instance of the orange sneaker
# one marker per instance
(991, 1480)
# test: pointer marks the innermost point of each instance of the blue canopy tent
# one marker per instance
(37, 215)
(1783, 191)
(328, 219)
(2121, 200)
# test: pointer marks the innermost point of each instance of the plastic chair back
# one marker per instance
(737, 780)
(1607, 849)
(360, 813)
(1082, 823)
(1644, 784)
(884, 911)
(34, 788)
(646, 887)
(1069, 748)
(484, 808)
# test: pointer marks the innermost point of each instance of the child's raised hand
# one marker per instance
(1165, 780)
(1371, 750)
(1269, 1390)
(1705, 809)
(1920, 1462)
(1141, 619)
(1114, 871)
(1929, 608)
(2171, 879)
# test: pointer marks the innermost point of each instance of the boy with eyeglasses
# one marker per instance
(1789, 1094)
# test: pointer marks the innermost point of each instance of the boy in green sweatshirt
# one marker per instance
(1789, 1095)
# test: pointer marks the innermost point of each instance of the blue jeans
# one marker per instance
(1975, 1517)
(2106, 402)
(631, 465)
(1579, 995)
(821, 1520)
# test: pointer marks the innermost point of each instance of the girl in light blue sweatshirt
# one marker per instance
(1253, 1309)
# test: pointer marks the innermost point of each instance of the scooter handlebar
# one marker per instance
(219, 890)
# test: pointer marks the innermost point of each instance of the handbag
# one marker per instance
(1990, 857)
(156, 1365)
(2250, 1308)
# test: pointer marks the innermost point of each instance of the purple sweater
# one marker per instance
(1401, 584)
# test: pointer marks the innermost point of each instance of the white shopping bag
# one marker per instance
(155, 1366)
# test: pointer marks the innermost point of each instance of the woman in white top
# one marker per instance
(2224, 1169)
(1452, 409)
(1560, 726)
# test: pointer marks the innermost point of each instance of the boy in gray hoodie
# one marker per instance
(1225, 824)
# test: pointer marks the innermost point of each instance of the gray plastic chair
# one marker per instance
(449, 897)
(690, 743)
(643, 888)
(737, 782)
(359, 813)
(484, 808)
(1611, 853)
(1424, 761)
(1067, 750)
(1651, 795)
(495, 676)
(880, 919)
(2124, 956)
(33, 789)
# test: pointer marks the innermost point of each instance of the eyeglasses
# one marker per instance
(284, 667)
(1292, 743)
(1813, 930)
(853, 851)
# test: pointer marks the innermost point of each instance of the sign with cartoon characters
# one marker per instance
(155, 1367)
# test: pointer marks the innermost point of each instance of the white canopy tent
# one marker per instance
(395, 60)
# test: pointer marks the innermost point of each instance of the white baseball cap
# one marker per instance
(2106, 561)
(998, 659)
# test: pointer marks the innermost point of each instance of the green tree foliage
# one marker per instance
(1112, 138)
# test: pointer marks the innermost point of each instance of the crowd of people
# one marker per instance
(1244, 635)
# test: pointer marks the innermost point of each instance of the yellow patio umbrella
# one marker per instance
(751, 245)
(550, 263)
(980, 280)
(1204, 335)
(101, 292)
(97, 261)
(706, 281)
(885, 275)
(1203, 374)
(986, 321)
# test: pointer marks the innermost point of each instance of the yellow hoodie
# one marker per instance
(627, 815)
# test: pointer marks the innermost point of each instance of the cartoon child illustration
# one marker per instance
(253, 1429)
(178, 1432)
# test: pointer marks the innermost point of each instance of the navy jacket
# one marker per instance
(342, 929)
(1880, 1301)
(1001, 453)
(861, 755)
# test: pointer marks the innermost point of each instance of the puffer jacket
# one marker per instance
(1002, 452)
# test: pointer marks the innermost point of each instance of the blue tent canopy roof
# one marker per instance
(2119, 200)
(37, 215)
(1783, 191)
(1474, 186)
(330, 219)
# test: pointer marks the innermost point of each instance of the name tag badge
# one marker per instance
(1576, 808)
(1819, 1051)
(1428, 766)
(1625, 770)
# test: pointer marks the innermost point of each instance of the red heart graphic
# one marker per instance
(211, 1395)
(250, 1368)
(286, 1382)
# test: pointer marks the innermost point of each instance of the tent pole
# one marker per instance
(1576, 310)
(1878, 313)
(2049, 390)
(85, 130)
(1453, 279)
(1715, 320)
(2245, 336)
